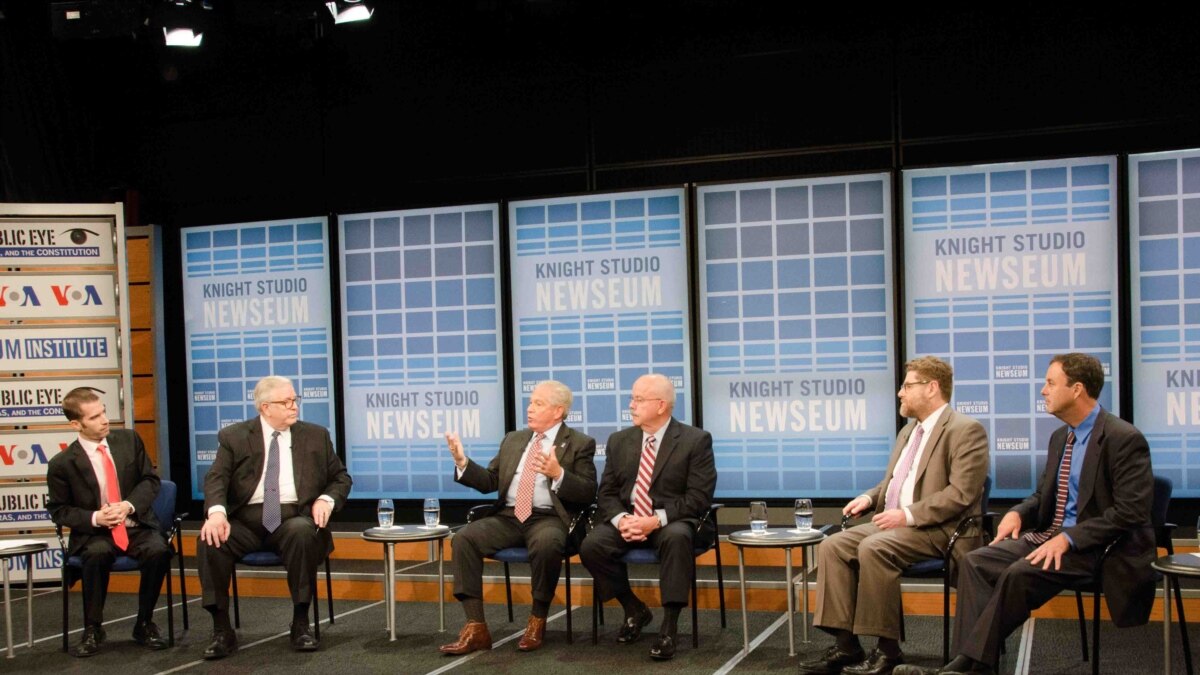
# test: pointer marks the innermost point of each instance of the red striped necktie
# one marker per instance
(1064, 486)
(641, 489)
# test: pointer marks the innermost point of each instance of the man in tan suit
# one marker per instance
(934, 477)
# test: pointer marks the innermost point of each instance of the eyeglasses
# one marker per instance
(638, 400)
(906, 385)
(287, 402)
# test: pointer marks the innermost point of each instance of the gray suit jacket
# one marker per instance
(950, 476)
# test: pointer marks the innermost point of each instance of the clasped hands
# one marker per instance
(113, 514)
(637, 528)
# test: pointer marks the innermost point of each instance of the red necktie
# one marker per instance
(641, 489)
(524, 504)
(113, 488)
(1064, 486)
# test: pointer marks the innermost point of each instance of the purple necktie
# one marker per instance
(901, 472)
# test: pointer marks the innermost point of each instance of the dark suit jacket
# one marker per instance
(241, 456)
(950, 476)
(1116, 493)
(75, 492)
(576, 452)
(684, 478)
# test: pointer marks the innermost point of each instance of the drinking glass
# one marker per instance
(804, 515)
(386, 512)
(758, 517)
(433, 512)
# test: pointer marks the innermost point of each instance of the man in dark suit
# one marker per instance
(935, 476)
(658, 484)
(545, 475)
(1097, 487)
(102, 488)
(273, 485)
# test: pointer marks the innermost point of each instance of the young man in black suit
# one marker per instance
(102, 488)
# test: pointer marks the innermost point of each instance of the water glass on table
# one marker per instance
(433, 512)
(758, 517)
(804, 516)
(386, 513)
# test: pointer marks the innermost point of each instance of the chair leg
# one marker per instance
(66, 605)
(182, 582)
(1096, 633)
(596, 616)
(946, 618)
(695, 614)
(508, 592)
(237, 614)
(567, 565)
(903, 632)
(329, 590)
(1187, 649)
(316, 605)
(1082, 624)
(720, 581)
(170, 611)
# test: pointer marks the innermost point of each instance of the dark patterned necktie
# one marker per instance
(271, 515)
(1060, 507)
(523, 507)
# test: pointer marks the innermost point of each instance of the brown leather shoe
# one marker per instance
(473, 637)
(535, 631)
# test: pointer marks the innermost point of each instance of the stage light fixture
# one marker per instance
(183, 21)
(345, 11)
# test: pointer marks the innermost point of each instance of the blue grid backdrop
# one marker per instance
(795, 284)
(1000, 343)
(600, 353)
(224, 365)
(421, 312)
(1165, 233)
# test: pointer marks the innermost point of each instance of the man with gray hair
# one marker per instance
(545, 476)
(273, 486)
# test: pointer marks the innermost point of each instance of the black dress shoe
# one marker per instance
(146, 634)
(664, 648)
(302, 637)
(631, 630)
(876, 663)
(90, 644)
(223, 644)
(832, 661)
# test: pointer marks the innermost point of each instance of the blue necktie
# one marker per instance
(271, 516)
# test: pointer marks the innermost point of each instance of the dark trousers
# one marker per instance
(296, 540)
(602, 550)
(543, 533)
(147, 546)
(998, 589)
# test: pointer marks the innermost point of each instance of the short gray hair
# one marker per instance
(560, 394)
(265, 386)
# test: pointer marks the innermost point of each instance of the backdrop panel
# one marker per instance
(1164, 218)
(600, 297)
(256, 303)
(422, 350)
(796, 332)
(1005, 266)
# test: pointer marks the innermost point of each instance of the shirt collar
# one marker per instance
(1085, 427)
(90, 446)
(933, 417)
(551, 433)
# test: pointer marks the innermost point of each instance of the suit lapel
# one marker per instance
(258, 453)
(84, 466)
(512, 458)
(560, 442)
(1091, 464)
(664, 452)
(930, 447)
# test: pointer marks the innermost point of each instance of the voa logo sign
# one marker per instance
(53, 297)
(26, 455)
